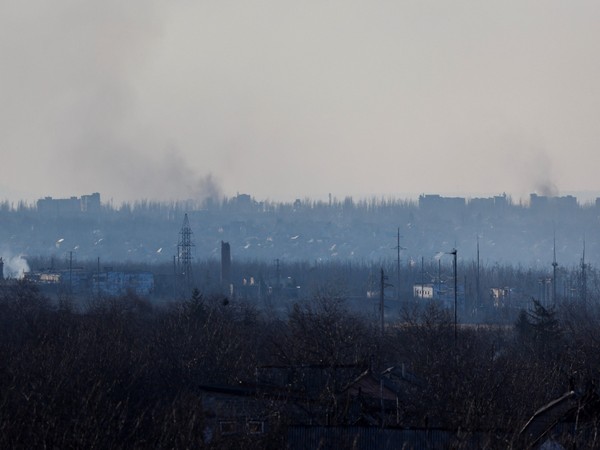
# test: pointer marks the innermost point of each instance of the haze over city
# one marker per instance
(192, 99)
(290, 225)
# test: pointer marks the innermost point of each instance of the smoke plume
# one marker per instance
(14, 266)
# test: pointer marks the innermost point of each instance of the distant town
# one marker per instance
(268, 252)
(305, 230)
(439, 323)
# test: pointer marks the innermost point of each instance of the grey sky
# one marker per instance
(148, 99)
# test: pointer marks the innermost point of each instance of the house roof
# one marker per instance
(368, 385)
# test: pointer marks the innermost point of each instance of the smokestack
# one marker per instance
(1, 269)
(225, 266)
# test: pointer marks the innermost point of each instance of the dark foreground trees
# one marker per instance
(126, 374)
(119, 375)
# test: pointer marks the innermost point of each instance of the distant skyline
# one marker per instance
(177, 100)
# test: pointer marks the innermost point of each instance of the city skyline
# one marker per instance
(582, 198)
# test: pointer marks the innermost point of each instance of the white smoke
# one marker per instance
(14, 266)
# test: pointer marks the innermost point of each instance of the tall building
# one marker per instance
(72, 205)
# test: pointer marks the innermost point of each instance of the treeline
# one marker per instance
(246, 202)
(123, 373)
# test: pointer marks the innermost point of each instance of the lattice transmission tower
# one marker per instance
(184, 254)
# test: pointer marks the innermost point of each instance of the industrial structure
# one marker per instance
(79, 282)
(226, 267)
(184, 255)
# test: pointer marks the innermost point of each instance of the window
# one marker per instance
(255, 426)
(228, 427)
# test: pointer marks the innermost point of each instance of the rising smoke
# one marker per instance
(526, 163)
(543, 175)
(72, 73)
(15, 266)
(546, 188)
(147, 99)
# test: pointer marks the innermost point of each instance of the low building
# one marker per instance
(78, 281)
(499, 296)
(423, 291)
(114, 284)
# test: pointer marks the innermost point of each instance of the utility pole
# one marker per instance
(583, 278)
(398, 267)
(453, 253)
(381, 301)
(98, 279)
(398, 248)
(554, 266)
(439, 278)
(477, 278)
(70, 273)
(422, 271)
(174, 271)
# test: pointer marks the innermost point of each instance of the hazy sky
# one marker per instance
(281, 99)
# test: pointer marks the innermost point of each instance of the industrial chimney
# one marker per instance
(225, 266)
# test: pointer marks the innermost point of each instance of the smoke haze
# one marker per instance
(194, 99)
(15, 266)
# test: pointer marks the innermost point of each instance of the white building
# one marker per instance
(423, 291)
